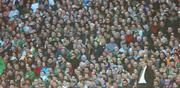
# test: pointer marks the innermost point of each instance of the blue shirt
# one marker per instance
(111, 46)
(43, 73)
(85, 2)
(13, 13)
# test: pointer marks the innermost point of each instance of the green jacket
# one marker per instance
(2, 65)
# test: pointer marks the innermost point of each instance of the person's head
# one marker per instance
(150, 63)
(143, 63)
(156, 83)
(178, 29)
(80, 77)
(175, 85)
(124, 82)
(86, 76)
(129, 65)
(167, 82)
(178, 79)
(169, 29)
(162, 55)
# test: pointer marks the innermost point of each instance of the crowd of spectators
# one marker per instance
(88, 43)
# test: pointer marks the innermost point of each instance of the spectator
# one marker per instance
(89, 43)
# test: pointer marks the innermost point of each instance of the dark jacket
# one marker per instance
(149, 76)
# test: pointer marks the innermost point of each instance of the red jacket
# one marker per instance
(37, 70)
(154, 29)
(129, 38)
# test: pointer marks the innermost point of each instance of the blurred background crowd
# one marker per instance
(89, 43)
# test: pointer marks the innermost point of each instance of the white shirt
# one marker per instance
(142, 76)
(51, 2)
(34, 6)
